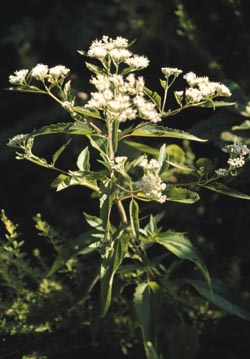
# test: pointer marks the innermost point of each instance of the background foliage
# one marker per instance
(210, 38)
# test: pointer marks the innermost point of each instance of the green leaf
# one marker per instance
(83, 160)
(93, 221)
(148, 300)
(215, 104)
(79, 246)
(93, 68)
(243, 126)
(160, 131)
(143, 148)
(87, 112)
(109, 267)
(134, 217)
(221, 188)
(87, 179)
(223, 297)
(182, 195)
(175, 153)
(179, 245)
(154, 96)
(72, 128)
(57, 154)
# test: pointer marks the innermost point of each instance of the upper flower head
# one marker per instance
(40, 72)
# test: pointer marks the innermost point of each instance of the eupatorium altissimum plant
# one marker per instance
(121, 107)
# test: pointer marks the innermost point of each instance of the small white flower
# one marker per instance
(193, 95)
(221, 172)
(137, 62)
(40, 72)
(191, 78)
(118, 163)
(151, 186)
(237, 162)
(147, 109)
(171, 71)
(58, 71)
(149, 165)
(68, 106)
(119, 55)
(19, 77)
(17, 140)
(97, 52)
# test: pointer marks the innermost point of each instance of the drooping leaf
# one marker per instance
(148, 300)
(223, 189)
(57, 154)
(93, 221)
(182, 195)
(152, 130)
(134, 217)
(180, 245)
(109, 266)
(223, 297)
(83, 160)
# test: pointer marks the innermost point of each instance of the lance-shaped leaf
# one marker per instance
(83, 160)
(109, 267)
(71, 128)
(215, 104)
(223, 297)
(80, 246)
(58, 153)
(87, 112)
(87, 179)
(152, 130)
(182, 195)
(148, 301)
(221, 188)
(154, 96)
(93, 68)
(179, 245)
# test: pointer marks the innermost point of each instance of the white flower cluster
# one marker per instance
(201, 88)
(236, 162)
(151, 184)
(170, 71)
(19, 77)
(122, 98)
(39, 72)
(118, 163)
(118, 51)
(18, 140)
(237, 155)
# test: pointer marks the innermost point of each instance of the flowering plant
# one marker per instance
(122, 107)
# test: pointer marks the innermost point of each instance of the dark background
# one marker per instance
(208, 37)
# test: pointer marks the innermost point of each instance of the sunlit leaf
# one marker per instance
(72, 128)
(83, 160)
(182, 195)
(160, 131)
